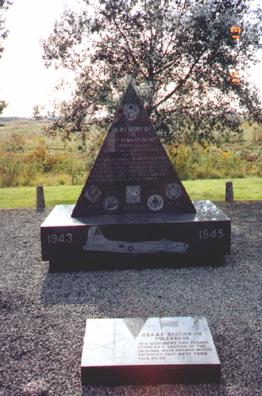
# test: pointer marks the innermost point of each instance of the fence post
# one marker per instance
(229, 192)
(40, 199)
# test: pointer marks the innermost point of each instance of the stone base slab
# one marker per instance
(67, 242)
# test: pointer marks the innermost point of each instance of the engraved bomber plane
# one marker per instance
(97, 242)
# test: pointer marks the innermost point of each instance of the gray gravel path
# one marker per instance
(43, 315)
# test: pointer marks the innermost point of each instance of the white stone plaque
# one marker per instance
(177, 342)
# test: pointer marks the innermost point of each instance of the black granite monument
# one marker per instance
(149, 350)
(133, 205)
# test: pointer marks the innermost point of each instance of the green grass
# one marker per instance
(24, 197)
(245, 189)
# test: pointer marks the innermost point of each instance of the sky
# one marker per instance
(24, 80)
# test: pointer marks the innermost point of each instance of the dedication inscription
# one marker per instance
(132, 173)
(178, 349)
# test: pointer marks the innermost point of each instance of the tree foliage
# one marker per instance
(179, 53)
(3, 105)
(4, 4)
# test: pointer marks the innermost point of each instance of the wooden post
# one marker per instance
(229, 192)
(40, 199)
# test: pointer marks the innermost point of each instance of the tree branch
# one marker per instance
(167, 66)
(128, 45)
(180, 83)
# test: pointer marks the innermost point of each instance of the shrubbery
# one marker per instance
(205, 162)
(30, 161)
(26, 162)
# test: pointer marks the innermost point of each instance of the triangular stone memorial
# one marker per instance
(132, 173)
(133, 205)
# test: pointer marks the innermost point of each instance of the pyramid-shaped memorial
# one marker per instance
(132, 173)
(133, 204)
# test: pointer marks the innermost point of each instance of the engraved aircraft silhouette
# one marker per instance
(97, 242)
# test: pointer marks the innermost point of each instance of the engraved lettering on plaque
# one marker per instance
(155, 202)
(111, 203)
(133, 194)
(110, 143)
(131, 111)
(132, 156)
(173, 191)
(136, 341)
(93, 194)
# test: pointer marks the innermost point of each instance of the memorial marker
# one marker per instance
(132, 173)
(133, 203)
(149, 350)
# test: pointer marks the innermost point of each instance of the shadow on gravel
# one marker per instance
(75, 284)
(111, 261)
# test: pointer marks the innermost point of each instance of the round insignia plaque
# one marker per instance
(131, 111)
(173, 191)
(155, 202)
(111, 203)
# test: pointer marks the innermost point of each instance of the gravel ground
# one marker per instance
(43, 314)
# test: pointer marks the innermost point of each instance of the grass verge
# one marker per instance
(246, 189)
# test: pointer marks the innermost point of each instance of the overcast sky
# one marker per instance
(24, 80)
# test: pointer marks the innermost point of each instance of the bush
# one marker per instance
(25, 162)
(33, 160)
(9, 170)
(14, 143)
(205, 162)
(15, 171)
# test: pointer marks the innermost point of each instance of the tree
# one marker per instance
(181, 54)
(3, 105)
(4, 4)
(37, 112)
(3, 34)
